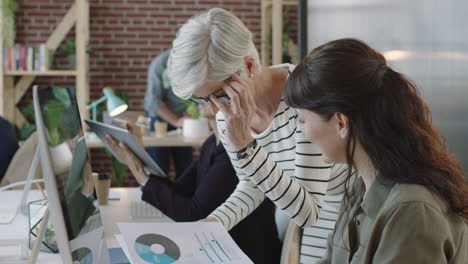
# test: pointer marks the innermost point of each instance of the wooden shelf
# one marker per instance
(38, 73)
(15, 84)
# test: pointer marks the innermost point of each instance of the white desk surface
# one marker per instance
(153, 141)
(117, 211)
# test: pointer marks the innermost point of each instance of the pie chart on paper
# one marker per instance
(82, 256)
(169, 254)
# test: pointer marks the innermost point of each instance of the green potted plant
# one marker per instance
(195, 126)
(8, 9)
(60, 119)
(68, 48)
(192, 109)
(55, 111)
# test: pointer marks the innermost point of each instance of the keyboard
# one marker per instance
(7, 215)
(144, 210)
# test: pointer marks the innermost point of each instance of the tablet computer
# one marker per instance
(123, 135)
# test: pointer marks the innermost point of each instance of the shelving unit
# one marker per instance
(14, 84)
(38, 73)
(272, 15)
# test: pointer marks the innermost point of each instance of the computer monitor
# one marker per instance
(66, 169)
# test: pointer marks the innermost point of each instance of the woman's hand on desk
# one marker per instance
(133, 162)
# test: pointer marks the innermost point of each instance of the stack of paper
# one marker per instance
(180, 243)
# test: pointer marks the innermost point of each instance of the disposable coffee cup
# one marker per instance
(102, 183)
(160, 128)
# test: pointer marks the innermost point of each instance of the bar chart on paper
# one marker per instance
(212, 249)
(180, 243)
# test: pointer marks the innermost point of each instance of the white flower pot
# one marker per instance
(196, 128)
(62, 157)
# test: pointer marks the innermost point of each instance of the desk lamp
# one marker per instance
(115, 105)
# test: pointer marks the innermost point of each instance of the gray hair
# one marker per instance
(210, 46)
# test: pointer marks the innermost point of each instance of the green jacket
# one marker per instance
(397, 223)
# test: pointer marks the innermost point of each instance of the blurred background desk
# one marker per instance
(102, 162)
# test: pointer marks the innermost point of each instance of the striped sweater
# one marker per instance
(314, 238)
(285, 167)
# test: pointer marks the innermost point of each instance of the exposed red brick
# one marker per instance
(125, 36)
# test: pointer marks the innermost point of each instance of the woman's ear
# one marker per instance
(342, 123)
(250, 64)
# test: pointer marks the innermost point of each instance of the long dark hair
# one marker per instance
(386, 116)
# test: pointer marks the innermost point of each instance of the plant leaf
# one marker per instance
(25, 131)
(62, 95)
(192, 109)
(52, 113)
(28, 112)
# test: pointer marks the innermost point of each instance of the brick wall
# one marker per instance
(125, 35)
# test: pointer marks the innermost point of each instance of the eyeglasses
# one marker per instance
(205, 100)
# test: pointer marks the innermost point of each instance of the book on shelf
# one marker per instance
(20, 57)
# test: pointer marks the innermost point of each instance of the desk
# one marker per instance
(117, 211)
(152, 141)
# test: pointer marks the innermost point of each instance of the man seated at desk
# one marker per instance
(201, 188)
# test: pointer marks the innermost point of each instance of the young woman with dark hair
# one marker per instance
(409, 203)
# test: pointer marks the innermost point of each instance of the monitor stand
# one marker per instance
(23, 209)
(23, 205)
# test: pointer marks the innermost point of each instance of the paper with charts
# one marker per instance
(181, 243)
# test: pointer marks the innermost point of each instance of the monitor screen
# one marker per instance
(69, 155)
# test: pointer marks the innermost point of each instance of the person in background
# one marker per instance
(161, 104)
(8, 145)
(202, 187)
(410, 201)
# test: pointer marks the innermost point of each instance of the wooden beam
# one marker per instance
(62, 29)
(82, 64)
(264, 37)
(7, 96)
(291, 3)
(266, 34)
(266, 3)
(2, 82)
(19, 118)
(22, 87)
(42, 73)
(2, 96)
(277, 18)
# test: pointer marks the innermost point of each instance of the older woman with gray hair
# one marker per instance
(214, 61)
